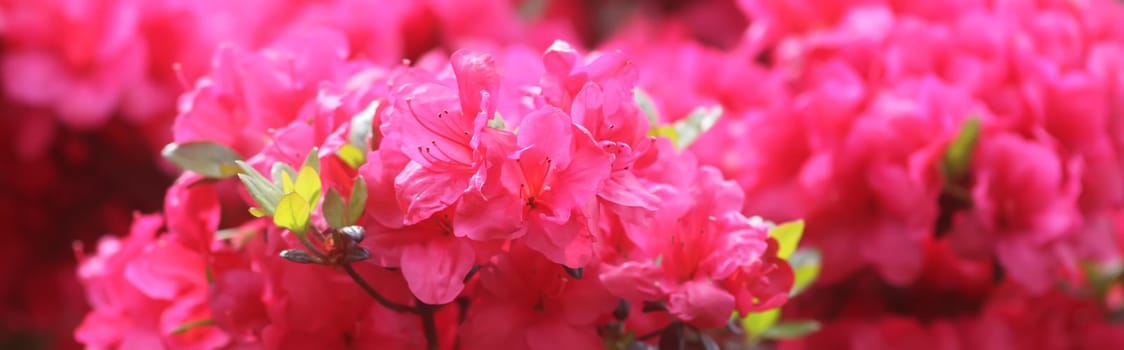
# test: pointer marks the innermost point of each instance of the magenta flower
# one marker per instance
(145, 288)
(557, 171)
(443, 132)
(249, 94)
(698, 248)
(527, 302)
(1025, 205)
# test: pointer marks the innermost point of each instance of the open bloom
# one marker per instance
(528, 302)
(699, 256)
(443, 131)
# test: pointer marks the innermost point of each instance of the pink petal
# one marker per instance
(582, 179)
(435, 270)
(632, 280)
(422, 192)
(701, 304)
(495, 218)
(554, 334)
(476, 78)
(165, 270)
(549, 131)
(568, 243)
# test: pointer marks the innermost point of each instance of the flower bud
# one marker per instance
(356, 233)
(298, 256)
(575, 273)
(357, 254)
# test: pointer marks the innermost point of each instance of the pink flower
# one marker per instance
(527, 302)
(555, 173)
(144, 290)
(696, 256)
(432, 258)
(79, 59)
(443, 132)
(248, 94)
(1024, 200)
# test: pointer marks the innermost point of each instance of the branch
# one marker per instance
(375, 294)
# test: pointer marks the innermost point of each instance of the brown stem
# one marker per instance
(375, 294)
(426, 312)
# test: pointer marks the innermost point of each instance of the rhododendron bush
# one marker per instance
(536, 174)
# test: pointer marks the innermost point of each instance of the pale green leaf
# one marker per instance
(806, 264)
(699, 121)
(531, 10)
(791, 330)
(788, 237)
(958, 156)
(308, 185)
(234, 233)
(335, 210)
(497, 122)
(292, 213)
(205, 158)
(313, 159)
(277, 172)
(362, 127)
(647, 106)
(358, 199)
(187, 326)
(287, 185)
(665, 131)
(756, 323)
(352, 156)
(264, 192)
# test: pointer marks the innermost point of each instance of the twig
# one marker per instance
(429, 324)
(375, 294)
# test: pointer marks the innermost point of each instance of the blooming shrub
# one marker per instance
(564, 174)
(552, 221)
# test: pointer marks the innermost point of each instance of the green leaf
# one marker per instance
(701, 119)
(806, 264)
(756, 323)
(532, 9)
(205, 158)
(235, 233)
(958, 156)
(362, 125)
(352, 156)
(497, 122)
(667, 131)
(312, 160)
(292, 213)
(335, 210)
(1100, 276)
(788, 237)
(187, 326)
(264, 192)
(280, 169)
(644, 101)
(791, 330)
(308, 185)
(358, 200)
(287, 183)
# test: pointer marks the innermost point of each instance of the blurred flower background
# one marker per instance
(959, 164)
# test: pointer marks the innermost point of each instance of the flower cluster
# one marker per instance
(954, 147)
(472, 191)
(541, 174)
